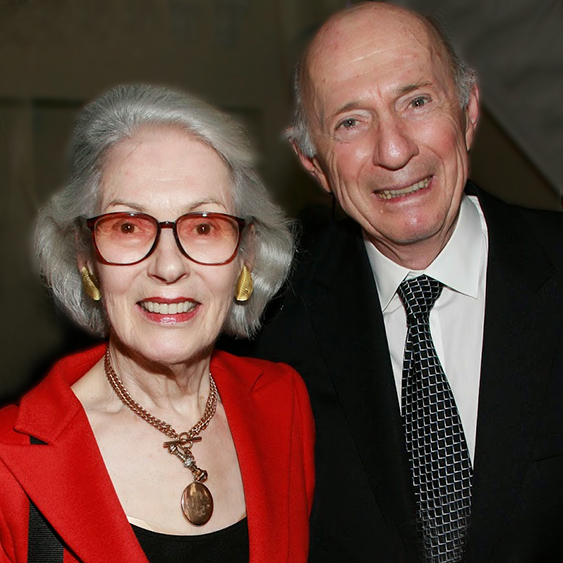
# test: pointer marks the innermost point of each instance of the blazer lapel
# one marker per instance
(265, 492)
(517, 352)
(346, 316)
(66, 478)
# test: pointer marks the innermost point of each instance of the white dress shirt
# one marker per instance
(457, 318)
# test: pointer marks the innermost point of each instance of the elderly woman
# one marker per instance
(156, 446)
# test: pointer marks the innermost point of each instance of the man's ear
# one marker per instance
(471, 117)
(313, 166)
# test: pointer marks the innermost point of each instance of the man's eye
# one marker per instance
(419, 102)
(348, 123)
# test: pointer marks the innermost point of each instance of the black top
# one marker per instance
(229, 545)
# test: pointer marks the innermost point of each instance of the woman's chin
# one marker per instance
(165, 350)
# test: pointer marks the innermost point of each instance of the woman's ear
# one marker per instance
(250, 247)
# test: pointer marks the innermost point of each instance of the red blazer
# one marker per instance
(272, 427)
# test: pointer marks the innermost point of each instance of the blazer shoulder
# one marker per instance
(47, 388)
(259, 373)
(277, 383)
(79, 362)
(540, 228)
(547, 227)
(544, 228)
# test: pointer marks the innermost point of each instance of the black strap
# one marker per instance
(44, 545)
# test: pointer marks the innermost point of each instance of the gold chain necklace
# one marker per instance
(197, 502)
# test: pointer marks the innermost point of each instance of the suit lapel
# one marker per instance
(262, 440)
(66, 478)
(518, 346)
(345, 309)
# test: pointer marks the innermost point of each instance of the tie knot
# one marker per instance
(418, 296)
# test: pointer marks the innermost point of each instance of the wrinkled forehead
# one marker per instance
(370, 41)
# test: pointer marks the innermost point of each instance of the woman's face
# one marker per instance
(166, 173)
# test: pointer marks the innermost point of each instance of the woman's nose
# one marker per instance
(167, 263)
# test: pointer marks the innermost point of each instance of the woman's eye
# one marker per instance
(203, 229)
(127, 228)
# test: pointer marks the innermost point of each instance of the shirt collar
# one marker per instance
(458, 266)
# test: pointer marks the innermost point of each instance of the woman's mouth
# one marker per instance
(168, 308)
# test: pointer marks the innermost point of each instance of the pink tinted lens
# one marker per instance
(122, 238)
(210, 239)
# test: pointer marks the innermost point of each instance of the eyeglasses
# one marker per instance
(128, 238)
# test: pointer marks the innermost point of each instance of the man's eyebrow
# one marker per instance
(348, 106)
(412, 87)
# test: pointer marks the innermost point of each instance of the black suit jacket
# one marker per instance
(328, 325)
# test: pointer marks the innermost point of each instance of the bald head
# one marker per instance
(347, 36)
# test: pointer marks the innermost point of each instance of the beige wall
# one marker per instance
(57, 54)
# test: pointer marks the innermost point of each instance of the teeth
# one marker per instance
(390, 194)
(168, 308)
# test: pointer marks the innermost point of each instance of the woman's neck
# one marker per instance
(171, 390)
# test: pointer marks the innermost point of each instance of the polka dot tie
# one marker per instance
(439, 458)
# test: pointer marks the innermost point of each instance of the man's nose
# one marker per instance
(394, 143)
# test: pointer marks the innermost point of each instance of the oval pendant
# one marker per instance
(197, 504)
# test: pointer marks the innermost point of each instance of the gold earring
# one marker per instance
(89, 284)
(245, 286)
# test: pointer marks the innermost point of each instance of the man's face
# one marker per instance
(391, 138)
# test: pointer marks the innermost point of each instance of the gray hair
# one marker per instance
(60, 240)
(464, 77)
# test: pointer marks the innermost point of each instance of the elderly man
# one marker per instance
(428, 325)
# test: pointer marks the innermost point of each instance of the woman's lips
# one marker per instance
(169, 311)
(413, 188)
(168, 308)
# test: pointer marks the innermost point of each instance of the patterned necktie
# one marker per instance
(440, 462)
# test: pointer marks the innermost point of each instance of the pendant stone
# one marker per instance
(197, 504)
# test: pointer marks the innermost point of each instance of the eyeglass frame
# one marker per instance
(91, 222)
